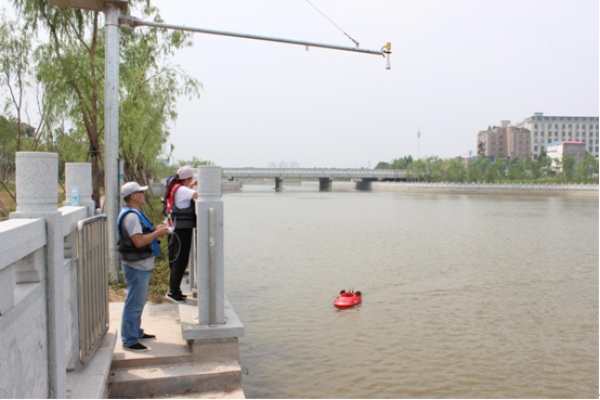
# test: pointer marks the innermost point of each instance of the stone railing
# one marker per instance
(39, 323)
(491, 187)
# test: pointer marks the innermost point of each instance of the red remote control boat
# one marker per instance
(348, 299)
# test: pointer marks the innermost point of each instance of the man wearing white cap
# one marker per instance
(137, 246)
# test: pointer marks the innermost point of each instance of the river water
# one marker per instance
(464, 296)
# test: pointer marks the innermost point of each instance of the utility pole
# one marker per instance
(418, 143)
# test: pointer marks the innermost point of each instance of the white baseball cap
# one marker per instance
(132, 187)
(185, 172)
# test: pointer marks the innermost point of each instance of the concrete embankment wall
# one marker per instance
(471, 188)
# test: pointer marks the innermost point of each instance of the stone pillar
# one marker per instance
(209, 261)
(278, 184)
(325, 184)
(80, 175)
(37, 197)
(363, 185)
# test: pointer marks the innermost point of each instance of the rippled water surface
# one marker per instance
(464, 296)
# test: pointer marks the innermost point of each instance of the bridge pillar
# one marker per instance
(325, 184)
(363, 185)
(278, 184)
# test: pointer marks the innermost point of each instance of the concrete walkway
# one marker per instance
(169, 361)
(161, 320)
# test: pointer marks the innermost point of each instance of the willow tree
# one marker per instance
(15, 80)
(455, 170)
(417, 170)
(70, 67)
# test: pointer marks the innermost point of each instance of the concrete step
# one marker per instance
(176, 380)
(234, 394)
(90, 381)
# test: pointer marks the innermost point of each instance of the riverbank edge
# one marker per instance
(470, 188)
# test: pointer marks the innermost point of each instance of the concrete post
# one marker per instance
(37, 197)
(325, 184)
(278, 184)
(209, 242)
(111, 127)
(363, 185)
(80, 175)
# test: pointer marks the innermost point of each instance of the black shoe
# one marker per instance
(148, 336)
(137, 347)
(175, 298)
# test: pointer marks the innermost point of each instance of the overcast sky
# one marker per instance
(457, 66)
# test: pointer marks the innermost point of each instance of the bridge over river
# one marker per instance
(325, 176)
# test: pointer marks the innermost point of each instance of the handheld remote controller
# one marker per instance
(166, 222)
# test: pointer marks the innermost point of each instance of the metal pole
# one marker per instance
(111, 129)
(134, 22)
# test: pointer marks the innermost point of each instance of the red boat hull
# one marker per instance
(347, 300)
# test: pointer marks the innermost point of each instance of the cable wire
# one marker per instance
(330, 20)
(173, 237)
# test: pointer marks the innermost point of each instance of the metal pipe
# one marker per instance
(134, 22)
(212, 266)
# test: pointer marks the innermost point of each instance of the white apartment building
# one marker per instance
(547, 129)
(558, 150)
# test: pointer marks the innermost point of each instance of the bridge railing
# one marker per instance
(314, 173)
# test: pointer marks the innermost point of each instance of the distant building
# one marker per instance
(547, 129)
(533, 135)
(504, 141)
(558, 150)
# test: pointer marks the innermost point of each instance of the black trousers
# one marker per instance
(179, 255)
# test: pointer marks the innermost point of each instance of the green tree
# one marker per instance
(544, 163)
(455, 170)
(383, 165)
(7, 153)
(517, 170)
(500, 167)
(477, 169)
(152, 88)
(587, 168)
(435, 169)
(568, 167)
(417, 170)
(195, 162)
(402, 163)
(533, 168)
(15, 75)
(70, 68)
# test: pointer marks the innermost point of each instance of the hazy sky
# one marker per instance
(458, 66)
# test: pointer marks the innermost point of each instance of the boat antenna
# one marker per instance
(334, 24)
